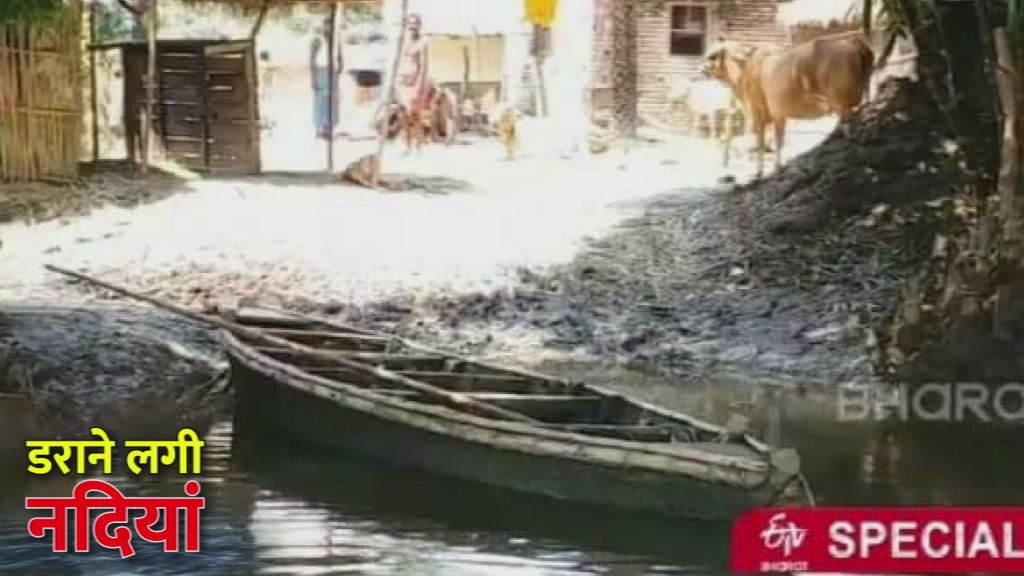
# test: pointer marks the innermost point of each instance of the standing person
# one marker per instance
(319, 55)
(413, 68)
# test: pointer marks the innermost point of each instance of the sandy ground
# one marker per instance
(308, 236)
(469, 229)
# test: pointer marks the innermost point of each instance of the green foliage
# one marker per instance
(114, 24)
(24, 11)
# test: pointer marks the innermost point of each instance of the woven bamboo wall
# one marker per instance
(40, 98)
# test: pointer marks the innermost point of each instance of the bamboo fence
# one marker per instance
(40, 98)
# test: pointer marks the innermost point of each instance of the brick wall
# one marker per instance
(749, 21)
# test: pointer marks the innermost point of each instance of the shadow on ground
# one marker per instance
(414, 183)
(682, 290)
(104, 183)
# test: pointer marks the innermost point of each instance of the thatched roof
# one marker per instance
(821, 13)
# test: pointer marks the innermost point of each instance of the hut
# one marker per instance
(204, 109)
(40, 110)
(203, 103)
(672, 38)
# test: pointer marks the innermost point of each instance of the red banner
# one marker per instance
(880, 540)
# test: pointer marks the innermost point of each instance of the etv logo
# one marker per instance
(787, 536)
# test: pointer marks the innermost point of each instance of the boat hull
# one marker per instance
(270, 403)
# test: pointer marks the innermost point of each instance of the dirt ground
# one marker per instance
(525, 259)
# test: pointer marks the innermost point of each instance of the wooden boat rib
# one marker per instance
(541, 434)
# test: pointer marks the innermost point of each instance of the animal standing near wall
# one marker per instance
(827, 75)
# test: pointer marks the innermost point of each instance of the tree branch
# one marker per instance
(127, 6)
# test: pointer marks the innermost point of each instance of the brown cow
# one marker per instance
(827, 75)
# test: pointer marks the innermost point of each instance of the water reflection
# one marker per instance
(345, 512)
(849, 463)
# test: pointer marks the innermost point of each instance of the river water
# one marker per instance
(274, 507)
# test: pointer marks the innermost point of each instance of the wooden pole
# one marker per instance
(151, 72)
(94, 83)
(252, 83)
(331, 83)
(391, 94)
(464, 95)
(540, 41)
(255, 334)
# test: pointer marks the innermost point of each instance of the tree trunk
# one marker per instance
(951, 63)
(1008, 315)
(624, 66)
(963, 318)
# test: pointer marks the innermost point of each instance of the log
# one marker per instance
(258, 335)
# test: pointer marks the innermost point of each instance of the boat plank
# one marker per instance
(335, 340)
(395, 361)
(327, 335)
(528, 398)
(481, 382)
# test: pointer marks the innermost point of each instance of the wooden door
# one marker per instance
(205, 117)
(231, 109)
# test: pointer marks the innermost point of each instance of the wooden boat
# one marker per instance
(412, 406)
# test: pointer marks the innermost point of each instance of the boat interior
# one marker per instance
(548, 402)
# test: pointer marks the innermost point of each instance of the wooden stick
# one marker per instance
(328, 357)
(151, 66)
(332, 83)
(392, 94)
